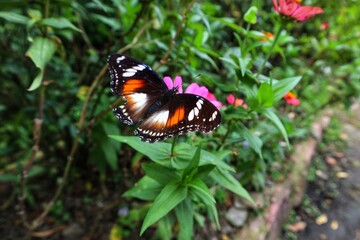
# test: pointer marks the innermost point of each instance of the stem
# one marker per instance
(173, 145)
(173, 41)
(277, 35)
(223, 139)
(243, 48)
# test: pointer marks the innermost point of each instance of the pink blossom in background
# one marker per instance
(236, 102)
(324, 25)
(291, 99)
(193, 89)
(293, 9)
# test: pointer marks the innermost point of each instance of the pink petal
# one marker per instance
(178, 84)
(195, 89)
(230, 99)
(212, 99)
(276, 6)
(303, 13)
(168, 82)
(294, 102)
(287, 7)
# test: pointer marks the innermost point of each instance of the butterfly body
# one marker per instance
(161, 112)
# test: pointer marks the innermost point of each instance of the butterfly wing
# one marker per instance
(137, 84)
(182, 114)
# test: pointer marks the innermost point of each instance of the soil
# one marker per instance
(335, 193)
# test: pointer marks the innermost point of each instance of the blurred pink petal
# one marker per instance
(291, 99)
(236, 102)
(293, 9)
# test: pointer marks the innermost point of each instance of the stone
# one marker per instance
(236, 217)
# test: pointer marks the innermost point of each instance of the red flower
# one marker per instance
(236, 102)
(293, 9)
(291, 99)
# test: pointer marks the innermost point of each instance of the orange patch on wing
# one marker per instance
(132, 85)
(177, 117)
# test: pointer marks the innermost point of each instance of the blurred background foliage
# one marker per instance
(55, 103)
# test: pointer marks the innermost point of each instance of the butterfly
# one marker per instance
(160, 112)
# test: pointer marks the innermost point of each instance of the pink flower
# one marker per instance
(293, 9)
(236, 102)
(324, 25)
(192, 89)
(291, 99)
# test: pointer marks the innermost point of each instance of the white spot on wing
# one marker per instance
(191, 115)
(119, 59)
(128, 74)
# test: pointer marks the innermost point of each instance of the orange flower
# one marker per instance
(268, 36)
(291, 99)
(293, 9)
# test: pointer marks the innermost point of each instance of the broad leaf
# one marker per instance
(14, 17)
(194, 164)
(146, 189)
(226, 180)
(265, 95)
(283, 86)
(158, 152)
(171, 195)
(250, 15)
(185, 215)
(253, 140)
(159, 173)
(60, 23)
(270, 114)
(40, 52)
(201, 191)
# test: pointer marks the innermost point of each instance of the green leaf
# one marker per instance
(270, 114)
(164, 227)
(185, 215)
(146, 189)
(229, 23)
(199, 189)
(283, 86)
(253, 140)
(35, 170)
(243, 63)
(8, 177)
(265, 95)
(204, 171)
(14, 17)
(171, 195)
(250, 15)
(193, 164)
(158, 152)
(40, 52)
(225, 179)
(159, 173)
(184, 152)
(60, 23)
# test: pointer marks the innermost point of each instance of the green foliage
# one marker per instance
(58, 130)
